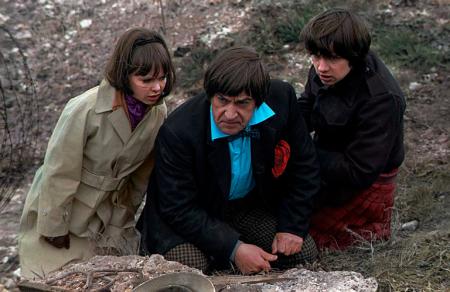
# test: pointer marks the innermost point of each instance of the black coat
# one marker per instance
(189, 187)
(358, 125)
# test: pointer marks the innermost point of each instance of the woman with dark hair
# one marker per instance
(84, 197)
(355, 108)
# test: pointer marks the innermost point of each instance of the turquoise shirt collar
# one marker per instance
(260, 114)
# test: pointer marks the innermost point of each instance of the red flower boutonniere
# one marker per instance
(282, 154)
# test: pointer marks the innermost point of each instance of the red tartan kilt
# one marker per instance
(366, 217)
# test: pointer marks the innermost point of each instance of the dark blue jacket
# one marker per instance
(358, 127)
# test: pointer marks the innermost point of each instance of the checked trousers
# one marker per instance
(257, 226)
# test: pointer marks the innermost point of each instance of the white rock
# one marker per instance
(23, 35)
(429, 77)
(85, 23)
(327, 281)
(410, 226)
(414, 85)
(17, 273)
(3, 18)
(291, 280)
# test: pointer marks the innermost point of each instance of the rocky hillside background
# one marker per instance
(52, 50)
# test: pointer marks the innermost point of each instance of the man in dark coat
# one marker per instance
(235, 174)
(355, 108)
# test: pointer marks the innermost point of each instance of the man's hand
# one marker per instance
(58, 241)
(287, 243)
(252, 259)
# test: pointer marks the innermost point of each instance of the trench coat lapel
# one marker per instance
(121, 125)
(142, 137)
(219, 161)
(141, 140)
(117, 118)
(262, 151)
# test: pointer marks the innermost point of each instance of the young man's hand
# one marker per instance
(287, 243)
(58, 241)
(252, 259)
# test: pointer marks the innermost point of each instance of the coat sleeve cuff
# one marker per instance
(53, 223)
(233, 253)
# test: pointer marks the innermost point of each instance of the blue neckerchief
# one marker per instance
(242, 181)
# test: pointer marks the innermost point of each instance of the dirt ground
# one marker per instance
(66, 44)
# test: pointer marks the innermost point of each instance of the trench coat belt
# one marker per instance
(104, 183)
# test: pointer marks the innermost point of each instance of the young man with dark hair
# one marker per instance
(355, 108)
(235, 174)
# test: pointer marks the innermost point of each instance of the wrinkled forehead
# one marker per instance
(236, 97)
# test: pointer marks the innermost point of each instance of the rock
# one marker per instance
(23, 35)
(414, 86)
(410, 226)
(429, 77)
(327, 281)
(10, 283)
(181, 51)
(17, 273)
(130, 271)
(297, 280)
(3, 19)
(126, 271)
(85, 23)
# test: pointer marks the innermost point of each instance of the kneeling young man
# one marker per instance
(355, 107)
(235, 174)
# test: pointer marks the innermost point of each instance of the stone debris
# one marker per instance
(109, 272)
(414, 86)
(301, 280)
(126, 272)
(3, 19)
(85, 23)
(410, 226)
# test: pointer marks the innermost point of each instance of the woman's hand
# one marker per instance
(58, 241)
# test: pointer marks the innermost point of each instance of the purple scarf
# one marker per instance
(136, 110)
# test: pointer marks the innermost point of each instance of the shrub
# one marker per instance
(404, 47)
(277, 25)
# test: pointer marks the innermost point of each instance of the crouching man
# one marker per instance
(355, 108)
(235, 174)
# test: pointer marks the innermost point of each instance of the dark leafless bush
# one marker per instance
(19, 115)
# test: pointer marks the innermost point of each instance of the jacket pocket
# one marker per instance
(84, 208)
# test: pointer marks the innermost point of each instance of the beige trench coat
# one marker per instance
(93, 179)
